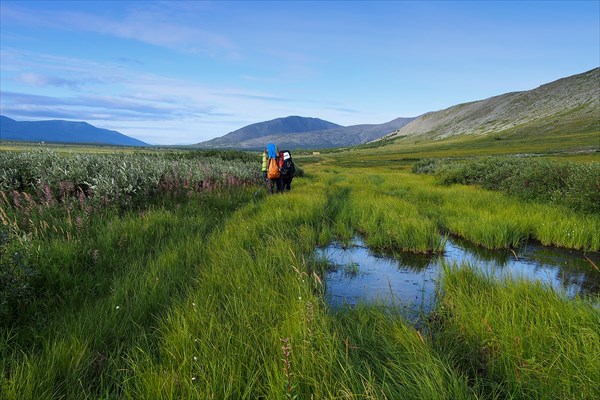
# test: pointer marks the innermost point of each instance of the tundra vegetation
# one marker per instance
(162, 275)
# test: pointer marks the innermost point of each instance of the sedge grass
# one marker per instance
(519, 339)
(252, 291)
(207, 300)
(258, 303)
(401, 211)
(387, 359)
(101, 317)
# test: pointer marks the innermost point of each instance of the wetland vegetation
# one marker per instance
(194, 290)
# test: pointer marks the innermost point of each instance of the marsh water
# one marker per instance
(359, 275)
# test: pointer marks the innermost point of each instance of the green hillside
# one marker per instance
(567, 106)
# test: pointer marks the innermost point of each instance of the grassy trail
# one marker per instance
(257, 305)
(226, 301)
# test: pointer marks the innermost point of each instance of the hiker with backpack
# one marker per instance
(265, 165)
(287, 169)
(273, 173)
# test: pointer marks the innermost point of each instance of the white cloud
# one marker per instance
(39, 80)
(152, 26)
(142, 105)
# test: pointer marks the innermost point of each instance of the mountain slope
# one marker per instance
(331, 135)
(571, 103)
(62, 132)
(278, 126)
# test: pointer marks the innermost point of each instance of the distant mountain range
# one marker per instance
(568, 105)
(296, 132)
(57, 131)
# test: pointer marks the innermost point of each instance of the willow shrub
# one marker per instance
(121, 179)
(575, 185)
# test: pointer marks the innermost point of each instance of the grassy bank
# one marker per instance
(575, 185)
(518, 339)
(397, 210)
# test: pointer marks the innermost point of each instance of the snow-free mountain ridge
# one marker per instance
(296, 132)
(566, 105)
(57, 131)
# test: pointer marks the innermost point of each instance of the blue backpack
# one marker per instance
(271, 150)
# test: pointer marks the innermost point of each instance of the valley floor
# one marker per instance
(218, 296)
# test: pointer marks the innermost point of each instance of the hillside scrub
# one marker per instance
(575, 185)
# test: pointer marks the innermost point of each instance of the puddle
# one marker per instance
(360, 275)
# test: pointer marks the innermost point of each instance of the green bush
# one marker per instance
(122, 178)
(226, 155)
(426, 166)
(575, 185)
(299, 172)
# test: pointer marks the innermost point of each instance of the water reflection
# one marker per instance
(360, 275)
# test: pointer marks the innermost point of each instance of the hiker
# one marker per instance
(287, 169)
(273, 174)
(265, 165)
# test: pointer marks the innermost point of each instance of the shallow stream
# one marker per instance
(359, 275)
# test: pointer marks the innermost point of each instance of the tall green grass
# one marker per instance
(253, 290)
(215, 314)
(519, 339)
(387, 359)
(256, 326)
(91, 310)
(396, 210)
(389, 222)
(217, 295)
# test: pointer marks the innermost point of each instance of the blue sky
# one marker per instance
(184, 72)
